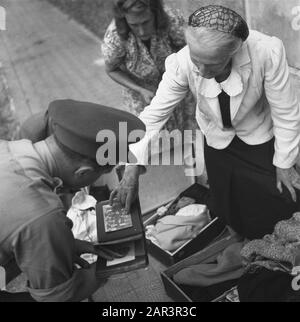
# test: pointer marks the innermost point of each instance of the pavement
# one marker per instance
(47, 56)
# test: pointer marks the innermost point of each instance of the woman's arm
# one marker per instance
(172, 89)
(114, 53)
(122, 78)
(285, 112)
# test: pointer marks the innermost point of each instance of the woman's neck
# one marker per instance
(225, 74)
(147, 43)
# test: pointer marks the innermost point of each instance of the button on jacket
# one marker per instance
(263, 102)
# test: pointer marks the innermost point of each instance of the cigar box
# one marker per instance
(122, 234)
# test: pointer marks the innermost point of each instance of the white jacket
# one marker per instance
(263, 101)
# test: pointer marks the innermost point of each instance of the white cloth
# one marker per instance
(171, 232)
(83, 215)
(192, 210)
(263, 102)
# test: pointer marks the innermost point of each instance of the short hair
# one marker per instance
(210, 38)
(121, 7)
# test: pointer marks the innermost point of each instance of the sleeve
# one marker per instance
(171, 90)
(45, 251)
(285, 108)
(113, 49)
(176, 29)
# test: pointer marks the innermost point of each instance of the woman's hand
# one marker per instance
(290, 178)
(147, 95)
(127, 190)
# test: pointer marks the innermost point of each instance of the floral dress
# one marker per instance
(146, 67)
(9, 125)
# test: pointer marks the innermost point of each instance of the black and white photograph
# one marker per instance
(149, 153)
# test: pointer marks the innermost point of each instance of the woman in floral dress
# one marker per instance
(141, 36)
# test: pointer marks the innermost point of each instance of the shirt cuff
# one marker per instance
(284, 161)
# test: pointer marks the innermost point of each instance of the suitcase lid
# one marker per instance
(162, 184)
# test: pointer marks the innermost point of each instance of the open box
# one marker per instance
(206, 236)
(123, 234)
(165, 185)
(180, 293)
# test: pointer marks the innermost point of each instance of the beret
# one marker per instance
(76, 125)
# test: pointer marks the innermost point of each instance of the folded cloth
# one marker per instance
(227, 266)
(191, 211)
(184, 202)
(279, 251)
(83, 215)
(171, 232)
(181, 203)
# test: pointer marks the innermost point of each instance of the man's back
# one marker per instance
(26, 194)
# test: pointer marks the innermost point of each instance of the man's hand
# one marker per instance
(84, 247)
(290, 178)
(127, 190)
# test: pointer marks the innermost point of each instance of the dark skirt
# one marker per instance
(242, 181)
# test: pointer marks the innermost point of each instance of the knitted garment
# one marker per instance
(221, 19)
(279, 251)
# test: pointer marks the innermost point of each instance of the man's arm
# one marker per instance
(45, 251)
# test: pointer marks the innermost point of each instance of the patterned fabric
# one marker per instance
(9, 126)
(279, 251)
(221, 19)
(147, 67)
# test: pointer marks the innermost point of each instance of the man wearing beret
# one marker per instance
(34, 229)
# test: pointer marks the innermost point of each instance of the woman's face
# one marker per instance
(209, 62)
(141, 23)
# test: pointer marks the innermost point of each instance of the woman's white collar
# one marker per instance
(233, 85)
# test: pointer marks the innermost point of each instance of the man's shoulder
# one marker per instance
(26, 190)
(29, 200)
(27, 206)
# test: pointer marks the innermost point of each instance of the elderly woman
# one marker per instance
(137, 42)
(248, 112)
